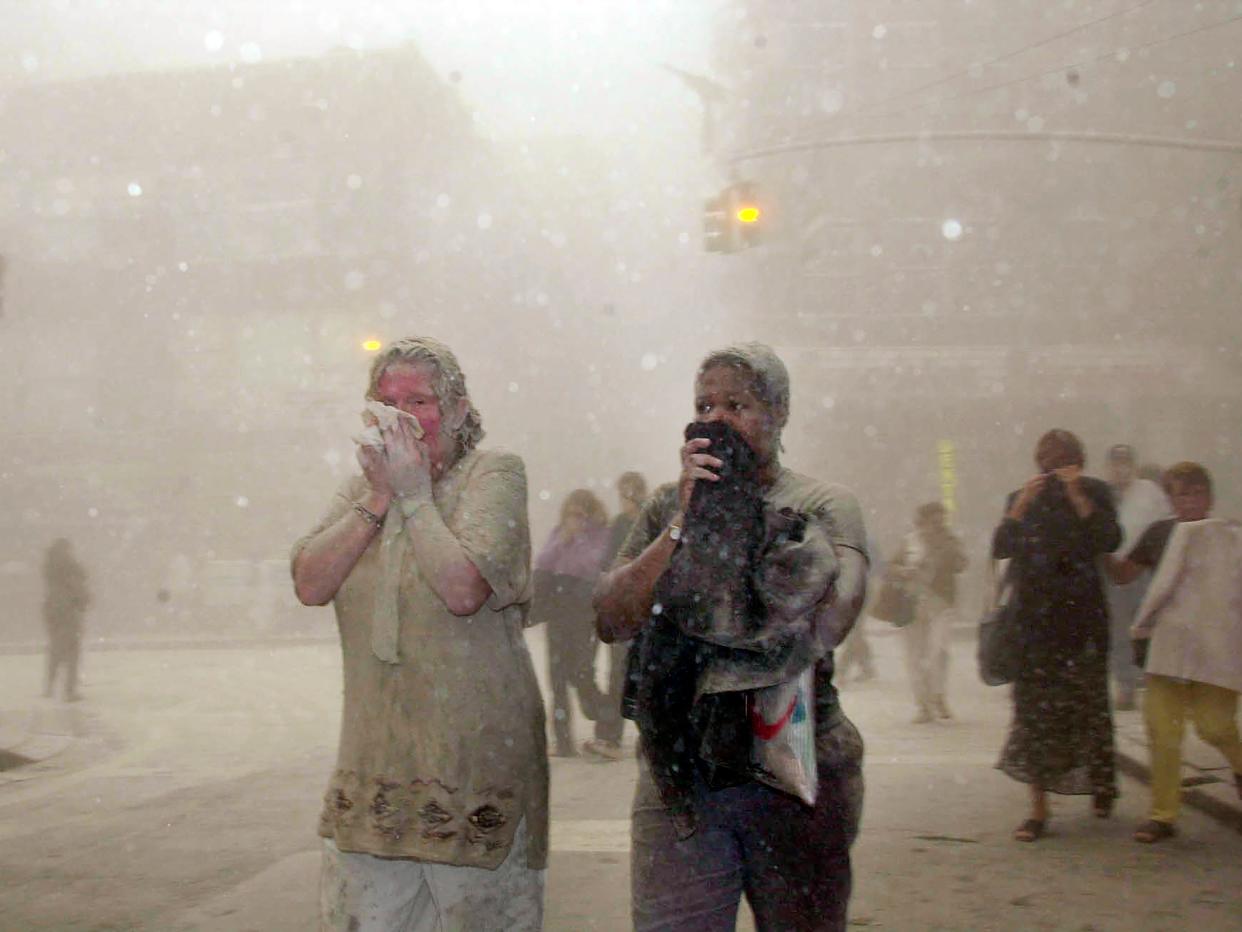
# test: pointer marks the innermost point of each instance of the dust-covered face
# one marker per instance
(1191, 502)
(726, 393)
(410, 387)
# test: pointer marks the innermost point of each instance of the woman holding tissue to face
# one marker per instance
(436, 814)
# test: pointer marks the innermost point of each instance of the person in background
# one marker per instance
(565, 574)
(931, 559)
(1199, 672)
(65, 601)
(1139, 503)
(436, 814)
(791, 861)
(609, 724)
(1055, 530)
(856, 649)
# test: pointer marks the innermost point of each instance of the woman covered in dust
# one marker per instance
(1055, 531)
(566, 571)
(790, 859)
(436, 813)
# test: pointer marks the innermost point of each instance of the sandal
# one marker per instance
(1152, 831)
(1102, 805)
(1030, 830)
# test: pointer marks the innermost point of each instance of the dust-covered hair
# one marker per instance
(1194, 475)
(1059, 448)
(588, 503)
(769, 377)
(448, 382)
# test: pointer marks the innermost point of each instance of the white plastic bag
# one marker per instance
(782, 725)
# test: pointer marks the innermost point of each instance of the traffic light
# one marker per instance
(717, 235)
(733, 219)
(747, 214)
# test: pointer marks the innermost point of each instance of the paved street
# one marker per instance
(182, 794)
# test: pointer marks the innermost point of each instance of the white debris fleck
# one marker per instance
(213, 41)
(242, 502)
(513, 387)
(1166, 89)
(544, 495)
(484, 221)
(951, 229)
(134, 189)
(879, 32)
(649, 361)
(250, 53)
(353, 182)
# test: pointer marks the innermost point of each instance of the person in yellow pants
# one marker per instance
(1188, 637)
(1169, 702)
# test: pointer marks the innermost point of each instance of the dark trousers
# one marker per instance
(791, 861)
(565, 604)
(64, 649)
(609, 725)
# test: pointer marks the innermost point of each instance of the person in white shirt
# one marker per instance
(1140, 503)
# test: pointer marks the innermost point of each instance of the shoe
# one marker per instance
(605, 750)
(942, 709)
(1030, 830)
(1102, 804)
(1152, 831)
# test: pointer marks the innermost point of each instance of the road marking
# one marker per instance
(604, 836)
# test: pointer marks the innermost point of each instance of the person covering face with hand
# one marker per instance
(790, 860)
(435, 815)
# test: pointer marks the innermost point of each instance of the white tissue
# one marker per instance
(378, 416)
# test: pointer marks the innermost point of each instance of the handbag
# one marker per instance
(894, 603)
(1000, 645)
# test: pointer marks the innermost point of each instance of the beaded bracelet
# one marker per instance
(368, 515)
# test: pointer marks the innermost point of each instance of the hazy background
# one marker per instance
(981, 220)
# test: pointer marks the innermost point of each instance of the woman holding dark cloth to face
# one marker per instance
(1055, 530)
(792, 861)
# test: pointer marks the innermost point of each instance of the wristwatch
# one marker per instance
(674, 532)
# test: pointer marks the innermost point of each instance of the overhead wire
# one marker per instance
(1081, 27)
(1110, 55)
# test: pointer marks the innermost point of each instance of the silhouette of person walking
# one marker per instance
(64, 605)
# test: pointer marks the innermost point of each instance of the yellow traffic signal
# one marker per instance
(372, 346)
(733, 220)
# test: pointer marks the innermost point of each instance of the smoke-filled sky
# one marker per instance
(523, 66)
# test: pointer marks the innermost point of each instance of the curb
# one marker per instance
(1222, 812)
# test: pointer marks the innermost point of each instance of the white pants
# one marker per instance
(927, 650)
(365, 893)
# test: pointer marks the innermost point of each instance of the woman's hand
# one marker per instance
(407, 462)
(375, 469)
(1071, 477)
(1033, 487)
(694, 466)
